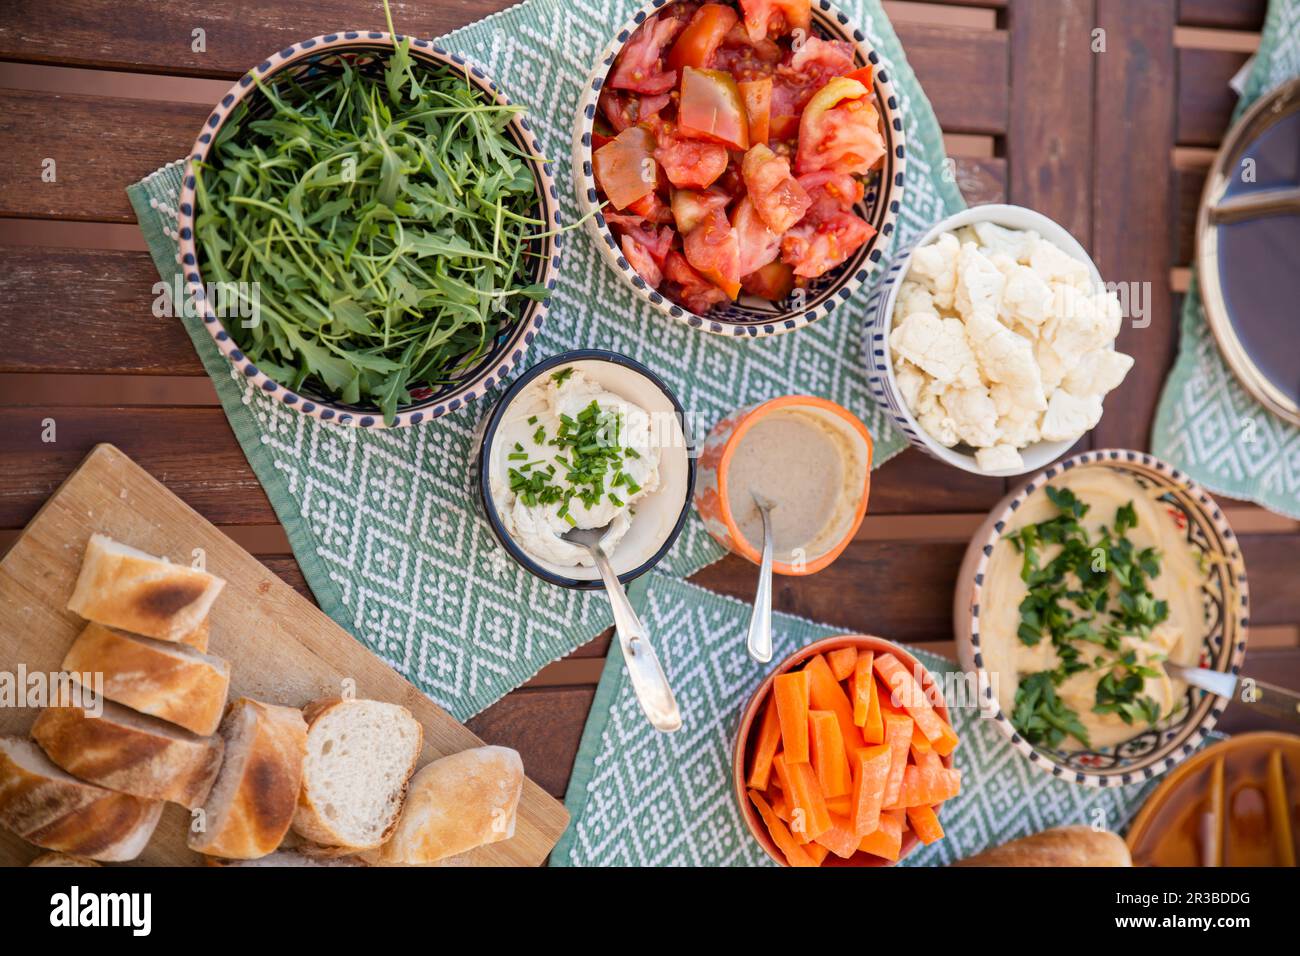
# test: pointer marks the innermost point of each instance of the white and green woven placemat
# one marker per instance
(1207, 423)
(641, 798)
(383, 524)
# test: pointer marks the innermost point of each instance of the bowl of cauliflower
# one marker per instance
(991, 341)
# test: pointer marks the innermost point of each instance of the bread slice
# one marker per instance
(251, 806)
(1071, 846)
(198, 638)
(288, 858)
(171, 681)
(130, 752)
(61, 859)
(123, 587)
(455, 804)
(56, 811)
(360, 756)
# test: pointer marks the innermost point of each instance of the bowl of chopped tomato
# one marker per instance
(740, 163)
(844, 755)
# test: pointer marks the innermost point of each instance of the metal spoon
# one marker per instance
(648, 679)
(1273, 700)
(760, 621)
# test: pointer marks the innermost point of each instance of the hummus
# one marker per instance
(1178, 638)
(809, 469)
(569, 454)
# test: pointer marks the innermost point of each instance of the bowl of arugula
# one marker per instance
(1076, 593)
(368, 229)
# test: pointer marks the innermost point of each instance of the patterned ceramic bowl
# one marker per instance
(713, 502)
(1224, 600)
(750, 315)
(880, 311)
(660, 516)
(752, 712)
(364, 50)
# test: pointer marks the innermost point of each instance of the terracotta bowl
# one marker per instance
(714, 505)
(749, 717)
(750, 316)
(362, 50)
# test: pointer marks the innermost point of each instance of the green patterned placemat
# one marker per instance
(1207, 423)
(641, 798)
(383, 523)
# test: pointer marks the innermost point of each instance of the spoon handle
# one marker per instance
(648, 679)
(760, 621)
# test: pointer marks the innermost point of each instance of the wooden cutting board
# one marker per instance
(282, 648)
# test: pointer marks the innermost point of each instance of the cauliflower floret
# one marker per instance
(939, 425)
(979, 283)
(1069, 416)
(910, 381)
(1051, 367)
(1057, 266)
(1010, 242)
(974, 415)
(1097, 372)
(935, 266)
(1082, 322)
(936, 346)
(913, 297)
(1026, 299)
(1018, 413)
(1003, 356)
(999, 458)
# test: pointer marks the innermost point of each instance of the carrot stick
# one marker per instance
(782, 772)
(825, 693)
(860, 685)
(887, 839)
(769, 739)
(794, 853)
(907, 692)
(842, 662)
(898, 738)
(870, 775)
(840, 839)
(828, 757)
(925, 823)
(807, 802)
(926, 786)
(791, 694)
(873, 731)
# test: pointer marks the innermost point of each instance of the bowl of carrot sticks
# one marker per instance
(844, 755)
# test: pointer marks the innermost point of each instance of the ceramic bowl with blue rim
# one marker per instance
(880, 310)
(1224, 602)
(361, 49)
(750, 315)
(658, 517)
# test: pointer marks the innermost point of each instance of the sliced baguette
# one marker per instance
(250, 807)
(121, 586)
(360, 756)
(288, 858)
(198, 638)
(170, 681)
(455, 804)
(54, 810)
(130, 752)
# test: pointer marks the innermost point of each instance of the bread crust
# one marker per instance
(46, 807)
(1062, 846)
(251, 805)
(309, 820)
(121, 751)
(166, 681)
(125, 588)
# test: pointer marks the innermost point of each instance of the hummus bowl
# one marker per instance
(1204, 588)
(518, 438)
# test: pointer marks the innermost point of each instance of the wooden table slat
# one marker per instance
(1224, 14)
(1205, 101)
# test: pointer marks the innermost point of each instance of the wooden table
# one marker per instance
(1113, 144)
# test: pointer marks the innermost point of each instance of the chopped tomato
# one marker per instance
(815, 248)
(757, 96)
(702, 37)
(830, 193)
(744, 59)
(651, 207)
(776, 194)
(758, 244)
(689, 163)
(840, 130)
(639, 66)
(713, 250)
(764, 17)
(711, 108)
(774, 282)
(693, 290)
(863, 74)
(625, 166)
(624, 110)
(642, 261)
(691, 207)
(820, 61)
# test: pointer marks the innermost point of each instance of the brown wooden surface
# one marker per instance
(281, 648)
(1114, 145)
